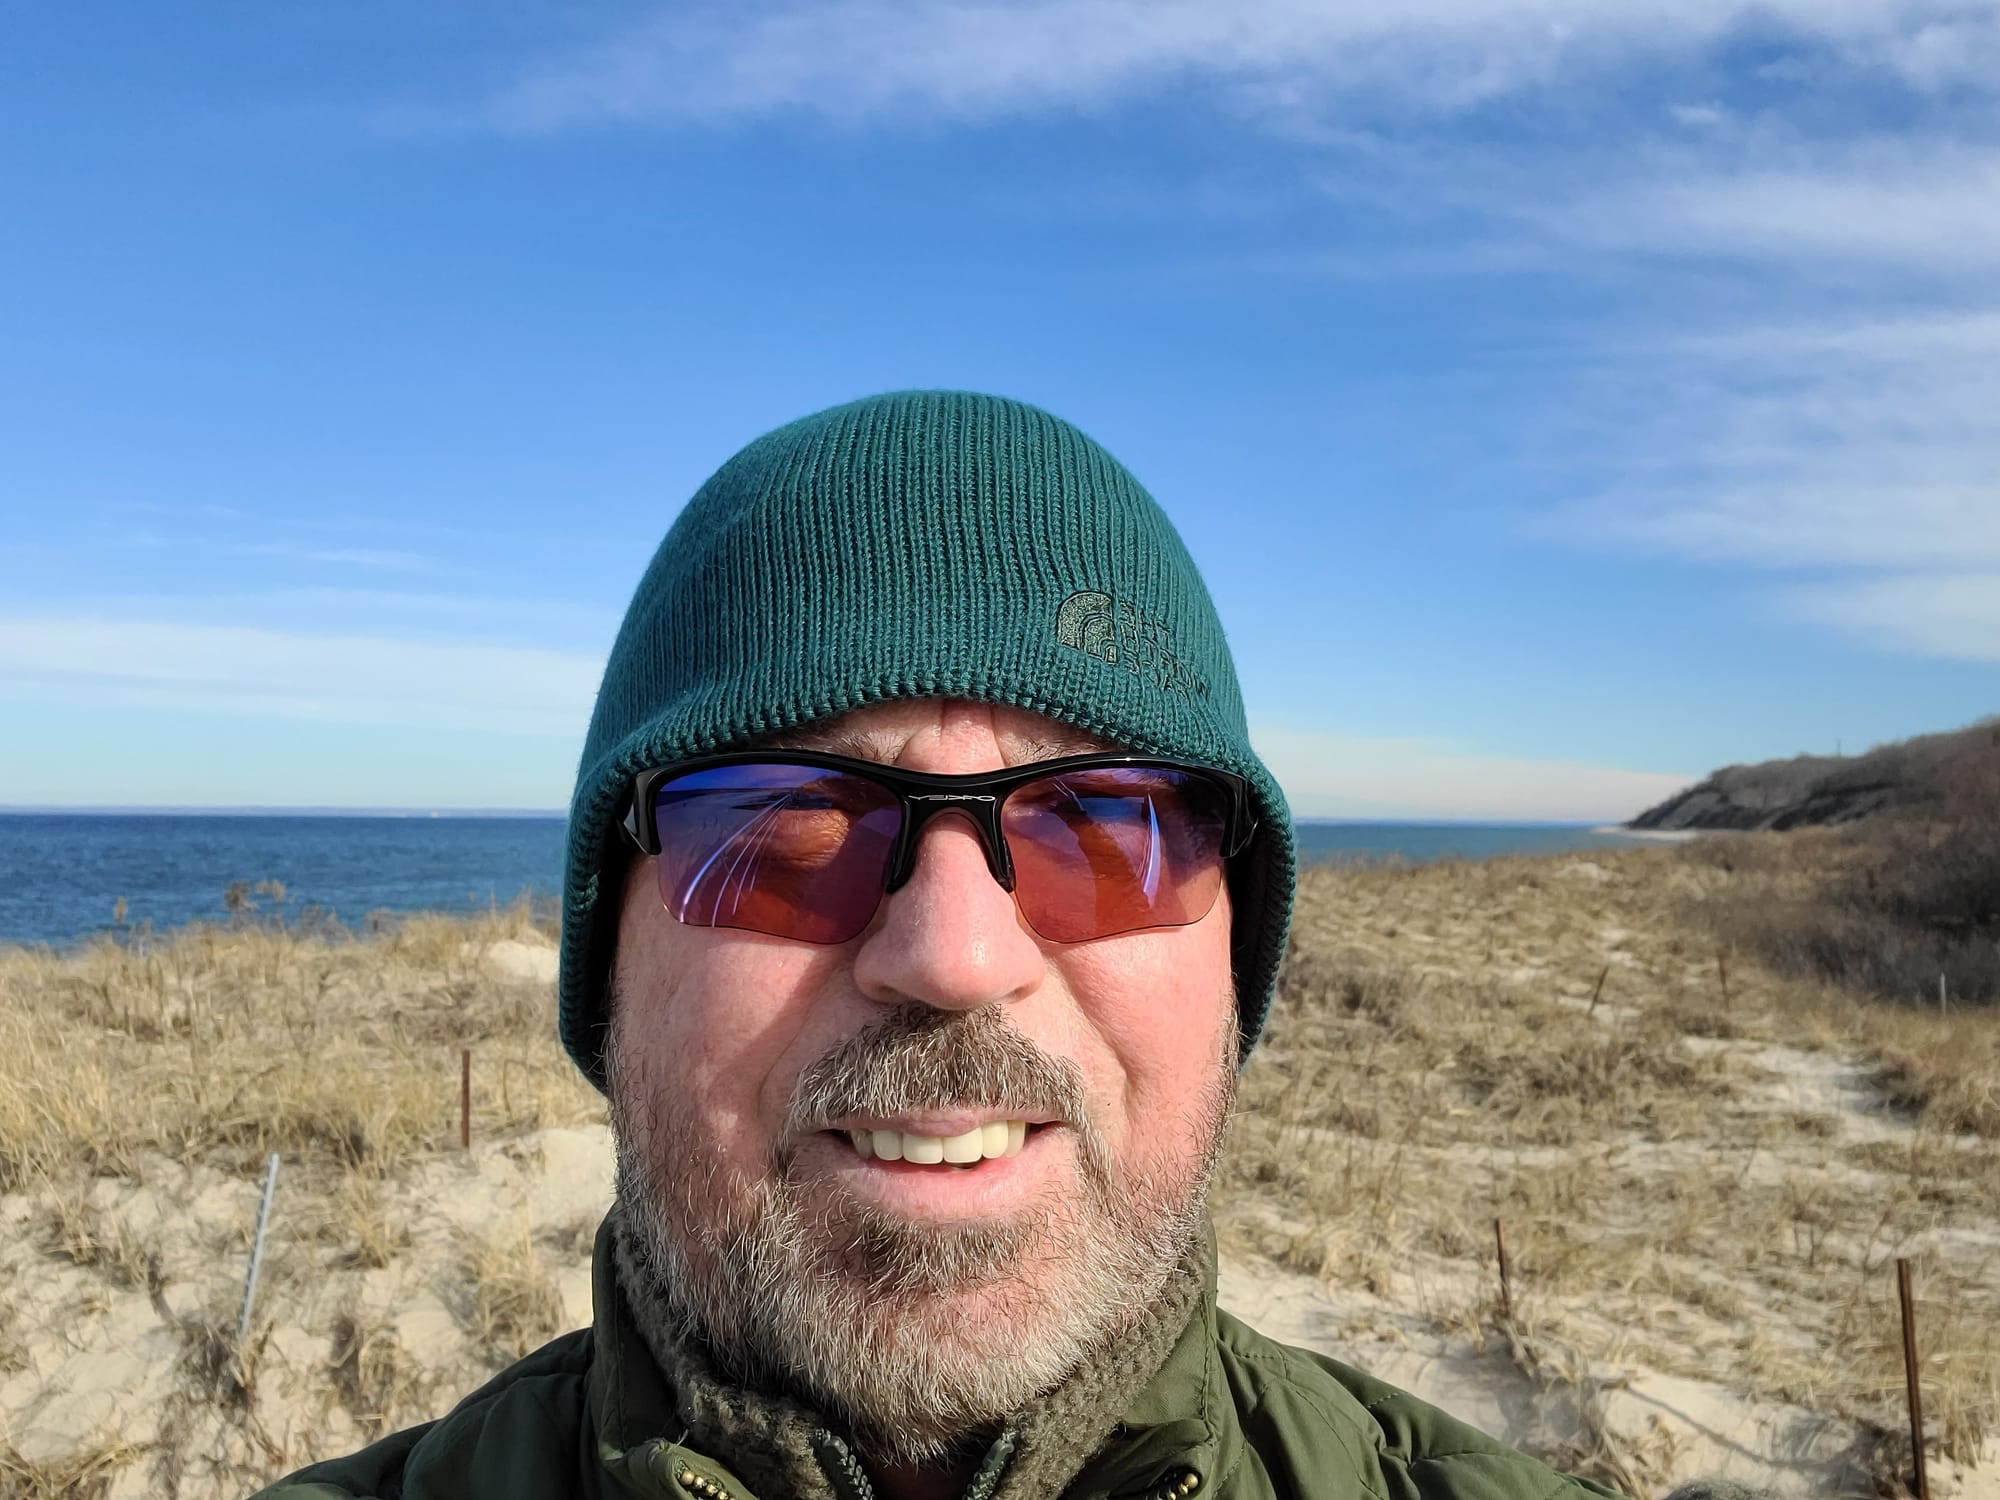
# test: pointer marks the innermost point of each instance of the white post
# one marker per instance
(257, 1249)
(1940, 994)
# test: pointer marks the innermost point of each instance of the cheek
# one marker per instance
(1154, 1009)
(713, 1028)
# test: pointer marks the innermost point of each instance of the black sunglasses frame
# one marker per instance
(924, 795)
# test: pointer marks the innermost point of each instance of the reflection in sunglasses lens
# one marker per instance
(793, 851)
(1115, 849)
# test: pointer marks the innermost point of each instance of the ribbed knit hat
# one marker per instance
(923, 544)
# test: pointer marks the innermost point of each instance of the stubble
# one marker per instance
(914, 1336)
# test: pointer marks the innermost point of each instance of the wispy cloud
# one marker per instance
(1833, 135)
(1944, 614)
(377, 558)
(1839, 207)
(1820, 179)
(1333, 775)
(982, 59)
(1928, 203)
(1863, 520)
(353, 678)
(1860, 448)
(324, 541)
(403, 614)
(346, 523)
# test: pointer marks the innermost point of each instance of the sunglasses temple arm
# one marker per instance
(1246, 822)
(630, 823)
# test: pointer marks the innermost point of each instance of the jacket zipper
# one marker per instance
(700, 1485)
(842, 1469)
(1175, 1484)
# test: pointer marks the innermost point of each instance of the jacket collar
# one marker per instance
(629, 1401)
(1183, 1418)
(1172, 1415)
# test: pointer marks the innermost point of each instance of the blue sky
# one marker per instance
(1562, 398)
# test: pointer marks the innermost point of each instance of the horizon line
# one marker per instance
(265, 809)
(261, 809)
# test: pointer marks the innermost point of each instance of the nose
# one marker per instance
(950, 937)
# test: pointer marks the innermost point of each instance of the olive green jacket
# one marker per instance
(1230, 1414)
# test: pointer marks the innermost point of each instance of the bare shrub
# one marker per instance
(1885, 907)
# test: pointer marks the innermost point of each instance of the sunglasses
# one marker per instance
(802, 845)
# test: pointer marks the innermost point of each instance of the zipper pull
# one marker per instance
(842, 1469)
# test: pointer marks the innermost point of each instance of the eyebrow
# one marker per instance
(862, 744)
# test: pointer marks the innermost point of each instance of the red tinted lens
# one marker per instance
(793, 851)
(1115, 848)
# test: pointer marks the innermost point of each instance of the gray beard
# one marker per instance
(867, 1317)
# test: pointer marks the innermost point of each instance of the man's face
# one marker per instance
(918, 1300)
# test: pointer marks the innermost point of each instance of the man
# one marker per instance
(923, 897)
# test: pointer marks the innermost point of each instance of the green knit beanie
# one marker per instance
(923, 544)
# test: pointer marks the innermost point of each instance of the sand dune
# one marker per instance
(1705, 1181)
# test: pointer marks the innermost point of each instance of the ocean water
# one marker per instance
(62, 874)
(1420, 842)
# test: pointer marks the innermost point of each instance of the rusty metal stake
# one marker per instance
(1923, 1490)
(465, 1099)
(1506, 1272)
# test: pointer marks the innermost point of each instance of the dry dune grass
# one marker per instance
(1700, 1167)
(1834, 904)
(142, 1086)
(516, 1307)
(222, 1044)
(85, 1477)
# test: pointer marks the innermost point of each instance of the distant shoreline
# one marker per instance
(1578, 824)
(1655, 835)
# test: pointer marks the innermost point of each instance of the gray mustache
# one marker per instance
(916, 1059)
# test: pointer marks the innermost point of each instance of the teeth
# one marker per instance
(981, 1143)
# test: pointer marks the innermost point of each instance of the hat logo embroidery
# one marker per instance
(1120, 634)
